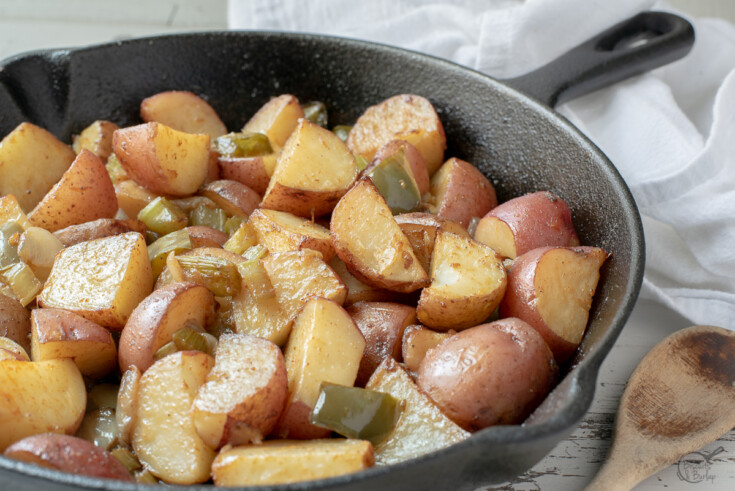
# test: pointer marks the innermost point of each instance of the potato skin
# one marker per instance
(15, 322)
(495, 373)
(462, 192)
(414, 158)
(96, 229)
(68, 454)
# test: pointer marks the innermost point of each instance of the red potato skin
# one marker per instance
(295, 423)
(15, 322)
(418, 166)
(68, 454)
(246, 170)
(468, 193)
(491, 374)
(243, 200)
(382, 325)
(537, 220)
(203, 236)
(519, 301)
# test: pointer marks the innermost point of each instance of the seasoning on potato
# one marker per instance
(274, 303)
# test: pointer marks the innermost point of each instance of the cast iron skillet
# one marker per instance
(516, 140)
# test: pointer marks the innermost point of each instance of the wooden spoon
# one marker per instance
(680, 397)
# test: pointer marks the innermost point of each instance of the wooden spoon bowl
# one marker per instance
(680, 397)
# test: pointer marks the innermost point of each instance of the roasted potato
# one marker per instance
(422, 427)
(164, 437)
(234, 197)
(162, 159)
(49, 394)
(323, 335)
(182, 111)
(32, 160)
(460, 192)
(313, 171)
(277, 119)
(415, 160)
(382, 325)
(10, 350)
(468, 281)
(68, 454)
(158, 317)
(280, 231)
(96, 229)
(417, 341)
(85, 192)
(403, 117)
(102, 280)
(15, 322)
(490, 374)
(97, 138)
(420, 230)
(551, 288)
(372, 245)
(534, 220)
(243, 395)
(254, 172)
(287, 461)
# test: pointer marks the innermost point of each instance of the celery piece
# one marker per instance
(99, 427)
(8, 247)
(209, 217)
(102, 396)
(165, 350)
(189, 339)
(158, 251)
(243, 239)
(162, 216)
(233, 223)
(395, 183)
(355, 412)
(127, 458)
(22, 281)
(361, 162)
(218, 274)
(145, 477)
(316, 112)
(342, 131)
(242, 145)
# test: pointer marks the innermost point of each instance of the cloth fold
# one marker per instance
(669, 132)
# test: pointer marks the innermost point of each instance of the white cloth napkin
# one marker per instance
(671, 133)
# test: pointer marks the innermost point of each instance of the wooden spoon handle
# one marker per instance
(617, 474)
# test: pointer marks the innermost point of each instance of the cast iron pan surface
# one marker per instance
(519, 143)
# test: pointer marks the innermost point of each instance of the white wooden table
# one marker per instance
(27, 25)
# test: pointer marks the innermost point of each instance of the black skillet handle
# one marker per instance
(644, 42)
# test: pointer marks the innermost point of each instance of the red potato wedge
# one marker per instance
(323, 337)
(15, 322)
(254, 172)
(417, 341)
(372, 245)
(57, 333)
(279, 231)
(357, 291)
(287, 461)
(97, 229)
(49, 394)
(460, 192)
(68, 454)
(235, 198)
(535, 220)
(131, 197)
(420, 230)
(491, 374)
(413, 157)
(165, 438)
(162, 159)
(10, 350)
(97, 138)
(202, 236)
(277, 119)
(102, 280)
(158, 317)
(403, 117)
(32, 160)
(182, 111)
(382, 324)
(468, 281)
(244, 393)
(421, 428)
(85, 192)
(313, 171)
(551, 288)
(298, 275)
